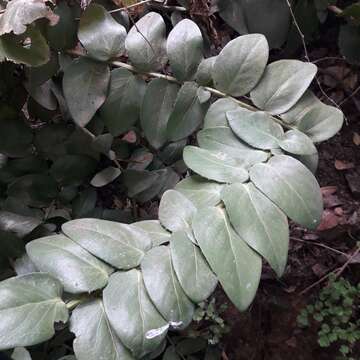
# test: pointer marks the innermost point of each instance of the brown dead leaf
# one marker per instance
(343, 165)
(130, 137)
(356, 139)
(329, 220)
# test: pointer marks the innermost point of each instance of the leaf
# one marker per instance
(105, 176)
(88, 322)
(17, 224)
(20, 13)
(42, 94)
(164, 288)
(85, 86)
(156, 109)
(282, 85)
(237, 267)
(321, 122)
(132, 314)
(188, 113)
(29, 307)
(240, 64)
(185, 49)
(145, 42)
(176, 212)
(200, 191)
(100, 34)
(310, 161)
(121, 109)
(215, 165)
(349, 41)
(119, 245)
(216, 115)
(222, 139)
(259, 222)
(296, 142)
(232, 12)
(84, 203)
(191, 268)
(36, 53)
(292, 187)
(154, 230)
(76, 269)
(73, 169)
(205, 70)
(63, 35)
(20, 353)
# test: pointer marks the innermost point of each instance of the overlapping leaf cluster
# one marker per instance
(253, 167)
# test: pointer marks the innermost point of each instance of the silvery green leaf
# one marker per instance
(76, 269)
(105, 176)
(156, 109)
(259, 222)
(240, 64)
(205, 70)
(146, 41)
(296, 142)
(321, 122)
(20, 13)
(20, 353)
(154, 230)
(131, 313)
(176, 211)
(237, 266)
(23, 265)
(94, 337)
(215, 165)
(121, 109)
(257, 129)
(292, 187)
(310, 161)
(191, 268)
(85, 86)
(164, 288)
(200, 191)
(16, 224)
(203, 95)
(216, 115)
(188, 113)
(29, 306)
(100, 34)
(282, 85)
(118, 244)
(185, 49)
(223, 139)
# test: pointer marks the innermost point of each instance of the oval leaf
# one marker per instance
(296, 142)
(240, 64)
(216, 115)
(154, 230)
(292, 187)
(237, 267)
(118, 244)
(105, 177)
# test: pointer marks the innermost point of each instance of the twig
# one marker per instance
(335, 9)
(150, 2)
(130, 6)
(328, 58)
(341, 270)
(350, 96)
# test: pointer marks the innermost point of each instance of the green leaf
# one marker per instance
(84, 203)
(215, 165)
(292, 187)
(216, 115)
(121, 109)
(176, 212)
(310, 161)
(41, 74)
(349, 43)
(282, 85)
(85, 86)
(188, 113)
(132, 314)
(191, 268)
(237, 267)
(105, 176)
(88, 322)
(154, 230)
(63, 35)
(164, 288)
(200, 191)
(118, 244)
(100, 34)
(29, 307)
(240, 64)
(232, 12)
(76, 269)
(20, 13)
(156, 109)
(17, 224)
(222, 139)
(171, 354)
(296, 142)
(205, 70)
(36, 53)
(259, 222)
(73, 169)
(185, 49)
(42, 94)
(145, 42)
(20, 353)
